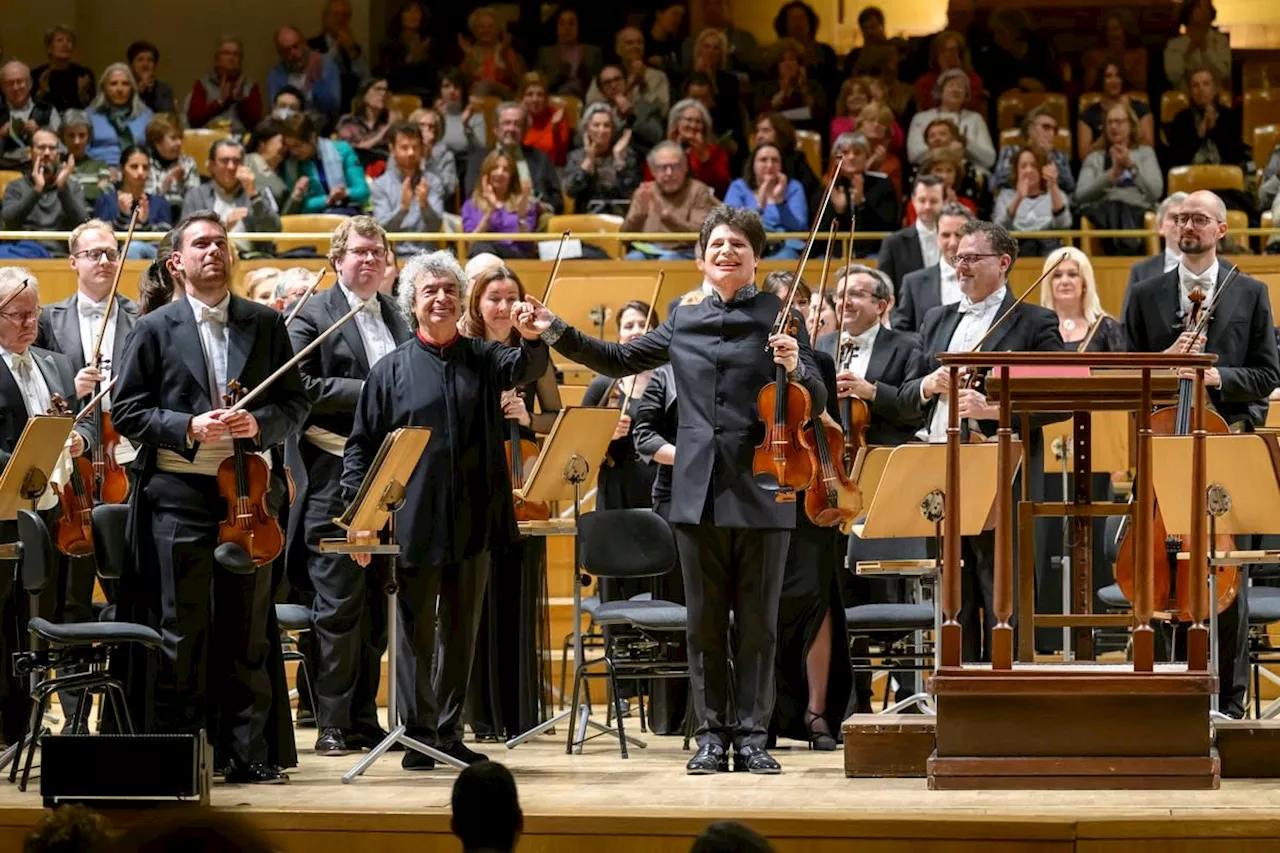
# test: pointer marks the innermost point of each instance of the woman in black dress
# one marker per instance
(505, 694)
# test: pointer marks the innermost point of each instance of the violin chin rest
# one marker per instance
(234, 559)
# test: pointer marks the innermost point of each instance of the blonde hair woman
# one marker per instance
(1071, 292)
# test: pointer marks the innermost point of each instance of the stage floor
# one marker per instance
(596, 801)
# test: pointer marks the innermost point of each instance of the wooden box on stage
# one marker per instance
(887, 745)
(1249, 749)
(1072, 727)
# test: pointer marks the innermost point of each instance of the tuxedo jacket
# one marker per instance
(1029, 328)
(900, 254)
(60, 328)
(919, 292)
(61, 380)
(1241, 334)
(892, 356)
(334, 372)
(163, 381)
(1151, 267)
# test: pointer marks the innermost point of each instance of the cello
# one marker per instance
(1171, 577)
(244, 481)
(73, 531)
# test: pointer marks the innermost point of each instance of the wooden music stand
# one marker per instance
(26, 475)
(592, 303)
(1110, 433)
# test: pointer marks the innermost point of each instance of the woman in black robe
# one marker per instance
(506, 693)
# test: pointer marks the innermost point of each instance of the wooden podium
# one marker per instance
(1002, 726)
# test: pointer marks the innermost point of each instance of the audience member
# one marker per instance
(310, 72)
(920, 291)
(664, 36)
(225, 95)
(486, 809)
(1036, 202)
(437, 160)
(773, 128)
(501, 204)
(871, 28)
(69, 829)
(45, 198)
(365, 128)
(118, 115)
(545, 128)
(335, 179)
(290, 286)
(194, 831)
(641, 82)
(1201, 45)
(880, 64)
(235, 195)
(1120, 41)
(916, 246)
(491, 65)
(689, 125)
(1090, 133)
(260, 285)
(602, 174)
(874, 123)
(568, 66)
(765, 189)
(407, 197)
(855, 93)
(1206, 131)
(144, 57)
(1169, 257)
(1270, 187)
(116, 208)
(948, 52)
(21, 115)
(870, 197)
(645, 119)
(799, 22)
(93, 176)
(951, 93)
(264, 155)
(718, 88)
(288, 102)
(1014, 56)
(62, 83)
(337, 42)
(792, 92)
(671, 202)
(464, 126)
(405, 57)
(533, 167)
(478, 264)
(729, 837)
(172, 173)
(742, 52)
(1040, 132)
(1118, 184)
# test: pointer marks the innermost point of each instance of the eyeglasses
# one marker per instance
(1195, 220)
(374, 254)
(666, 167)
(606, 81)
(229, 161)
(96, 256)
(21, 318)
(971, 259)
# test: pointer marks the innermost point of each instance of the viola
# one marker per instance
(833, 499)
(782, 462)
(244, 480)
(521, 454)
(73, 531)
(110, 479)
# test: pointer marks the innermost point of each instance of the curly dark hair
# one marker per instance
(737, 218)
(780, 20)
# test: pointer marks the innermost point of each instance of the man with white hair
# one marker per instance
(1167, 260)
(479, 264)
(21, 115)
(348, 613)
(533, 167)
(453, 516)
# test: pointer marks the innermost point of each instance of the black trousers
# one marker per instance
(433, 670)
(349, 609)
(738, 569)
(212, 672)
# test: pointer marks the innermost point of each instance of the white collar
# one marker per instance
(1172, 260)
(1208, 279)
(867, 339)
(353, 299)
(196, 304)
(926, 233)
(83, 300)
(991, 302)
(9, 357)
(945, 270)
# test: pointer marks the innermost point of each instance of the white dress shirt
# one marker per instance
(38, 398)
(1188, 281)
(858, 354)
(975, 319)
(1171, 259)
(91, 314)
(374, 334)
(928, 244)
(948, 284)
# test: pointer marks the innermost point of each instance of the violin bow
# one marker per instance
(1207, 314)
(816, 317)
(306, 294)
(115, 288)
(97, 398)
(784, 314)
(555, 268)
(648, 324)
(12, 296)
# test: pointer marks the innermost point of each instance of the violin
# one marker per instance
(110, 479)
(855, 414)
(73, 531)
(244, 481)
(1171, 577)
(521, 454)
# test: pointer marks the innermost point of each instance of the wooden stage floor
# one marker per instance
(596, 802)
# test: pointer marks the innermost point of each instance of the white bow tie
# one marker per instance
(1191, 282)
(372, 307)
(212, 315)
(968, 306)
(22, 361)
(92, 311)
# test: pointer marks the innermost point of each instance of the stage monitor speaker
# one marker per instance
(126, 768)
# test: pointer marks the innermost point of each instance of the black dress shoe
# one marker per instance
(305, 718)
(255, 774)
(333, 742)
(459, 750)
(414, 760)
(710, 759)
(754, 759)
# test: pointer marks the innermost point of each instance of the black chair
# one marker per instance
(85, 647)
(294, 619)
(643, 635)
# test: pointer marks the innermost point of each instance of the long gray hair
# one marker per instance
(440, 264)
(100, 102)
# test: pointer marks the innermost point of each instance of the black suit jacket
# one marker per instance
(892, 356)
(546, 183)
(60, 328)
(919, 292)
(1241, 334)
(334, 372)
(1151, 267)
(61, 380)
(900, 254)
(720, 360)
(1227, 135)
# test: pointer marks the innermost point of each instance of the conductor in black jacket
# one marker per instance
(348, 617)
(732, 534)
(168, 401)
(1242, 336)
(983, 260)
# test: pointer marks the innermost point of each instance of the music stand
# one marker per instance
(907, 488)
(380, 496)
(570, 457)
(589, 303)
(24, 479)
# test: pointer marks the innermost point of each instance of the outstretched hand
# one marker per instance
(531, 317)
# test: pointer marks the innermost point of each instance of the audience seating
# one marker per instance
(304, 223)
(1088, 99)
(1171, 103)
(1091, 247)
(1188, 179)
(1260, 74)
(6, 178)
(404, 104)
(1013, 136)
(196, 142)
(1153, 242)
(1265, 138)
(1014, 104)
(572, 106)
(810, 144)
(1261, 107)
(588, 222)
(1268, 219)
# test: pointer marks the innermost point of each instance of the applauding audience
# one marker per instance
(172, 173)
(1036, 202)
(1090, 131)
(117, 207)
(1206, 131)
(951, 93)
(143, 58)
(437, 160)
(1039, 131)
(93, 176)
(640, 81)
(546, 129)
(948, 52)
(235, 195)
(365, 128)
(21, 115)
(407, 197)
(491, 66)
(62, 83)
(501, 204)
(689, 126)
(568, 66)
(603, 173)
(45, 198)
(1120, 183)
(335, 180)
(309, 71)
(119, 117)
(225, 95)
(870, 197)
(765, 189)
(671, 202)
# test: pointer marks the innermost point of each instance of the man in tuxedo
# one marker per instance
(348, 613)
(983, 259)
(533, 166)
(1242, 335)
(916, 246)
(29, 377)
(1166, 261)
(175, 370)
(922, 290)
